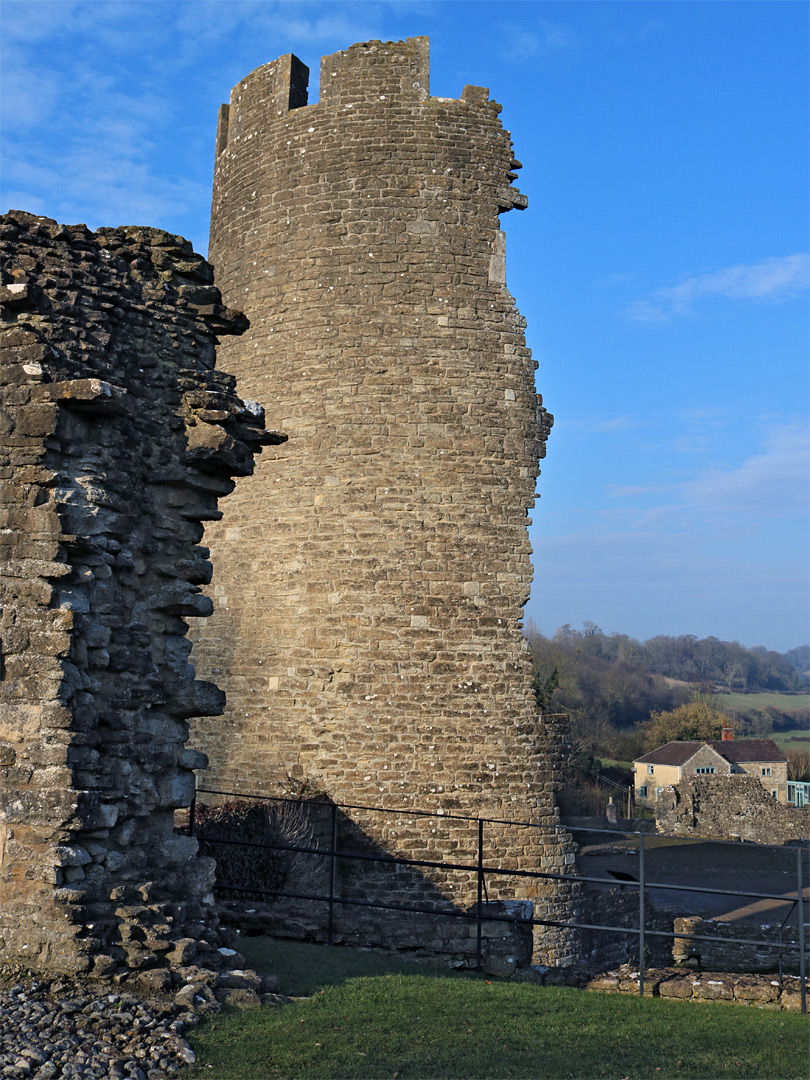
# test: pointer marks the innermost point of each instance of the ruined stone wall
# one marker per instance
(734, 953)
(370, 578)
(734, 806)
(117, 437)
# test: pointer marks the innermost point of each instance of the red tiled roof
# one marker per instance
(734, 750)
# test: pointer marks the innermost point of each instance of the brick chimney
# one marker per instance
(728, 733)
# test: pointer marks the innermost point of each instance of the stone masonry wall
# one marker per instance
(117, 438)
(734, 806)
(370, 577)
(734, 952)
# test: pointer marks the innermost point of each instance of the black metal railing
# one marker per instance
(334, 852)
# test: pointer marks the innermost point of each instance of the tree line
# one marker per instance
(708, 662)
(612, 684)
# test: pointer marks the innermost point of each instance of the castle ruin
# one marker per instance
(370, 576)
(117, 437)
(369, 579)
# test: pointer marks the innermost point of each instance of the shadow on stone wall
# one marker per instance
(379, 902)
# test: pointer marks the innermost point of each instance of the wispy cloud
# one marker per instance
(722, 551)
(543, 40)
(774, 480)
(702, 425)
(200, 25)
(771, 279)
(91, 116)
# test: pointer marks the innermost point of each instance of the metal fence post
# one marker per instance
(641, 945)
(802, 961)
(192, 810)
(478, 928)
(332, 874)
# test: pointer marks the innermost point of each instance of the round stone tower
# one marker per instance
(370, 577)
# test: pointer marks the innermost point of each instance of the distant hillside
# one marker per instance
(709, 661)
(610, 682)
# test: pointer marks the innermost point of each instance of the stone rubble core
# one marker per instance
(52, 1028)
(370, 577)
(734, 807)
(117, 438)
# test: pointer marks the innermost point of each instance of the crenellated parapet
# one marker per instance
(371, 83)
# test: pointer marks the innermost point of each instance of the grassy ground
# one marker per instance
(430, 1025)
(304, 969)
(792, 739)
(748, 702)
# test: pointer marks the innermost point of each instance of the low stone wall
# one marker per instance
(757, 990)
(732, 954)
(620, 825)
(736, 807)
(506, 946)
(619, 907)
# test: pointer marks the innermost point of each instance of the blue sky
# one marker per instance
(662, 264)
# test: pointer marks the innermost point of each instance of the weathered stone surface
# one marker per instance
(736, 807)
(733, 952)
(370, 577)
(108, 395)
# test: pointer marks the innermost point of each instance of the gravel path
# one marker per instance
(51, 1029)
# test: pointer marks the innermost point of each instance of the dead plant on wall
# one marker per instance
(264, 866)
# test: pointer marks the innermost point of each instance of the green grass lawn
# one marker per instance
(431, 1025)
(748, 702)
(304, 969)
(792, 739)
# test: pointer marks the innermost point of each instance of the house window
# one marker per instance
(705, 769)
(642, 791)
(766, 772)
(658, 791)
(650, 770)
(773, 793)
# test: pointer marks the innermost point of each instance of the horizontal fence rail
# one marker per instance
(483, 870)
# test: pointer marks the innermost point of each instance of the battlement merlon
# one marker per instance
(277, 87)
(377, 68)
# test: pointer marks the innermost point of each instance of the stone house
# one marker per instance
(675, 761)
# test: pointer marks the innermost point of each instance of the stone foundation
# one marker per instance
(506, 946)
(731, 954)
(758, 991)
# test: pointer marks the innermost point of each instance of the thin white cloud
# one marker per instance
(543, 40)
(772, 482)
(772, 279)
(201, 25)
(775, 480)
(701, 425)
